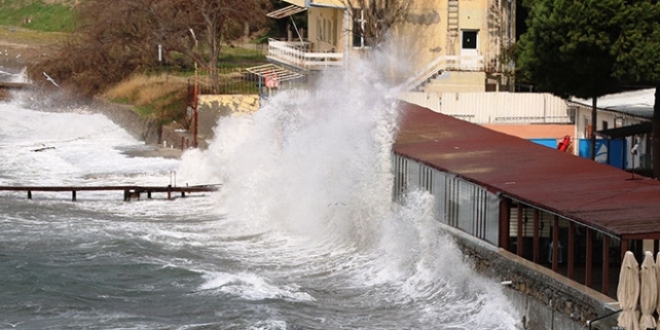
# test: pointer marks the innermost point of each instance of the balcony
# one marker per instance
(299, 55)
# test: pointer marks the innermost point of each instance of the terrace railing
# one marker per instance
(445, 63)
(299, 55)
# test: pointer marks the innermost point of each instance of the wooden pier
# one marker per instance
(14, 85)
(130, 192)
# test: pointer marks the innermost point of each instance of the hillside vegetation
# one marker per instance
(39, 15)
(113, 58)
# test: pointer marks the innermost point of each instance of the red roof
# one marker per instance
(599, 196)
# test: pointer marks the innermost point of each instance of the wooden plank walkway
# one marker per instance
(14, 85)
(130, 192)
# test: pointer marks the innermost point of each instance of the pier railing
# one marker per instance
(130, 192)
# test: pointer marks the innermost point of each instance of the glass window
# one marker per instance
(358, 28)
(469, 40)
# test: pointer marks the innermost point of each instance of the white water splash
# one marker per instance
(314, 167)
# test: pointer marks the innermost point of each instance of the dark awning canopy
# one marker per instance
(625, 131)
(286, 11)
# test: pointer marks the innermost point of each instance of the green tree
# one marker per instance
(637, 61)
(566, 49)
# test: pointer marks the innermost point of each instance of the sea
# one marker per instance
(303, 233)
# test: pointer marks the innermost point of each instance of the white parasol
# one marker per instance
(628, 292)
(648, 295)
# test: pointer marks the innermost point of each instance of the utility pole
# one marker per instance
(195, 101)
(195, 113)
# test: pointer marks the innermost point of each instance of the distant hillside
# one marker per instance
(39, 15)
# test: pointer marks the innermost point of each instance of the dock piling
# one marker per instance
(129, 191)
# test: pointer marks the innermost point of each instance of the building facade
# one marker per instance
(446, 45)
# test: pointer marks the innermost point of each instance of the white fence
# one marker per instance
(496, 107)
(296, 54)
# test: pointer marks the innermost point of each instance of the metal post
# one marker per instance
(606, 265)
(571, 249)
(505, 218)
(537, 241)
(519, 239)
(195, 114)
(555, 244)
(589, 256)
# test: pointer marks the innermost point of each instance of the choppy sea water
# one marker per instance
(303, 234)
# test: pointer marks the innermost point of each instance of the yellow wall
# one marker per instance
(230, 104)
(300, 3)
(424, 37)
(471, 15)
(326, 29)
(459, 82)
(334, 3)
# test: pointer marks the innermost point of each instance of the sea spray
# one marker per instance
(314, 167)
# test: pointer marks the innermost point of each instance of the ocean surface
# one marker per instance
(302, 235)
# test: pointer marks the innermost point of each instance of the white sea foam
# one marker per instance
(250, 286)
(314, 167)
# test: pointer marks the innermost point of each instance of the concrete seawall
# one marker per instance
(144, 128)
(173, 136)
(544, 299)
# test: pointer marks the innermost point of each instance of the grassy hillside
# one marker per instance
(39, 15)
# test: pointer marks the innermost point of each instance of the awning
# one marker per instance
(272, 71)
(286, 11)
(625, 131)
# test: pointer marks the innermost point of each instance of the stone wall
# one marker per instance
(141, 128)
(211, 108)
(545, 300)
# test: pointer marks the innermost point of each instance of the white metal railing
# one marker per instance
(298, 54)
(445, 63)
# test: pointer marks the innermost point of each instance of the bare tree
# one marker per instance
(203, 27)
(108, 44)
(374, 19)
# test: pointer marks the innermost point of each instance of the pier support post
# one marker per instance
(606, 265)
(505, 223)
(127, 196)
(73, 195)
(29, 194)
(537, 241)
(183, 194)
(588, 257)
(149, 194)
(555, 244)
(571, 250)
(519, 232)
